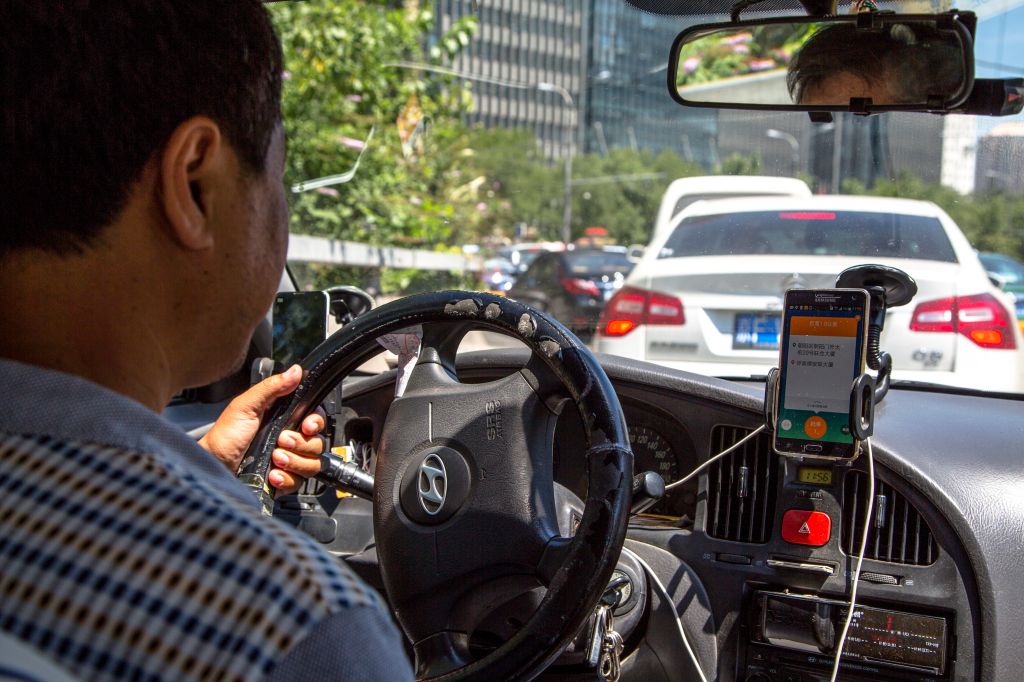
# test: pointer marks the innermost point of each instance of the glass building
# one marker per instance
(527, 62)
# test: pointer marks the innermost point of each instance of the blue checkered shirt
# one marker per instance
(129, 552)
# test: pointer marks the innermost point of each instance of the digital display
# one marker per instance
(820, 355)
(299, 323)
(814, 475)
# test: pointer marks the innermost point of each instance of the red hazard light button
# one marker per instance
(804, 527)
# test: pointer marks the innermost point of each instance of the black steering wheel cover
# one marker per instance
(590, 556)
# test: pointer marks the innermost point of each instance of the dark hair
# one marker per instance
(920, 60)
(91, 90)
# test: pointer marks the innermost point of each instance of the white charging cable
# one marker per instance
(663, 593)
(860, 560)
(720, 455)
(654, 576)
(856, 575)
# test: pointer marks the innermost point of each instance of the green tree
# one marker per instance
(339, 86)
(521, 186)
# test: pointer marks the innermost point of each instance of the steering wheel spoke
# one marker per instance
(440, 343)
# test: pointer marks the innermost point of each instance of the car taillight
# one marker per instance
(981, 318)
(631, 307)
(584, 287)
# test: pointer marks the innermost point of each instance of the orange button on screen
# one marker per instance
(815, 427)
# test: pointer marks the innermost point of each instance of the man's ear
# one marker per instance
(190, 166)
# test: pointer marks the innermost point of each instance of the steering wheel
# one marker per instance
(464, 508)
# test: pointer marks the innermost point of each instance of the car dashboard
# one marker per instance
(755, 553)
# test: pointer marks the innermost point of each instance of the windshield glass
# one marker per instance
(597, 264)
(810, 233)
(427, 139)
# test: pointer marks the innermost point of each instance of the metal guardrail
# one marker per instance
(307, 249)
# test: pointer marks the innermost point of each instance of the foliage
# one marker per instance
(738, 164)
(626, 208)
(521, 186)
(339, 86)
(992, 221)
(740, 52)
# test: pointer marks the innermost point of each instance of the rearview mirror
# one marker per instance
(864, 63)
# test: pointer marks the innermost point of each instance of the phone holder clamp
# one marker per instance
(887, 287)
(862, 403)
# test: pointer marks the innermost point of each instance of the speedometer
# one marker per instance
(652, 452)
(661, 444)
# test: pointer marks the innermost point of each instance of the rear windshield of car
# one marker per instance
(597, 264)
(811, 233)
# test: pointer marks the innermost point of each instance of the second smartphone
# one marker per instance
(299, 323)
(821, 351)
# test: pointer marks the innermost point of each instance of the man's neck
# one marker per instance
(77, 315)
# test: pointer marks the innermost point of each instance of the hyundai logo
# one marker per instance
(432, 484)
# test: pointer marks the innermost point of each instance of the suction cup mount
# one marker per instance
(888, 287)
(898, 288)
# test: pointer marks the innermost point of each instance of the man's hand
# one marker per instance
(297, 454)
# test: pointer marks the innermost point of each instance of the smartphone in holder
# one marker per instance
(821, 351)
(299, 323)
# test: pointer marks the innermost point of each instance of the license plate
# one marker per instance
(756, 331)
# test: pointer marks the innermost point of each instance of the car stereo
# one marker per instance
(790, 632)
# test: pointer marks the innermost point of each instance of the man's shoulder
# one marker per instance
(129, 552)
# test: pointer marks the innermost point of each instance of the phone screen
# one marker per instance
(300, 324)
(821, 353)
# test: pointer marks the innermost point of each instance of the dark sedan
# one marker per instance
(573, 285)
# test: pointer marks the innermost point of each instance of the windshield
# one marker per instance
(428, 139)
(810, 233)
(597, 264)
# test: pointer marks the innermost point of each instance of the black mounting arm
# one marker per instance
(887, 287)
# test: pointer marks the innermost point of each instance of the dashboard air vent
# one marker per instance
(898, 533)
(741, 488)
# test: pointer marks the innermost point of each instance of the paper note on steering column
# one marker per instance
(405, 343)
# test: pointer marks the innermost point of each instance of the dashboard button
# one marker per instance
(733, 558)
(805, 527)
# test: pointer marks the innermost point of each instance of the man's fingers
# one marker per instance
(283, 482)
(258, 398)
(296, 464)
(299, 444)
(314, 423)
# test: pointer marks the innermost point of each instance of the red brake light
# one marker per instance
(807, 215)
(585, 287)
(631, 307)
(981, 318)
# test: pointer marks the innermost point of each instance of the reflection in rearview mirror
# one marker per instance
(910, 62)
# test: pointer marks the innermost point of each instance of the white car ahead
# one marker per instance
(685, 192)
(707, 295)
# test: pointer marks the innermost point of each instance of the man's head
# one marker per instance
(895, 65)
(145, 137)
